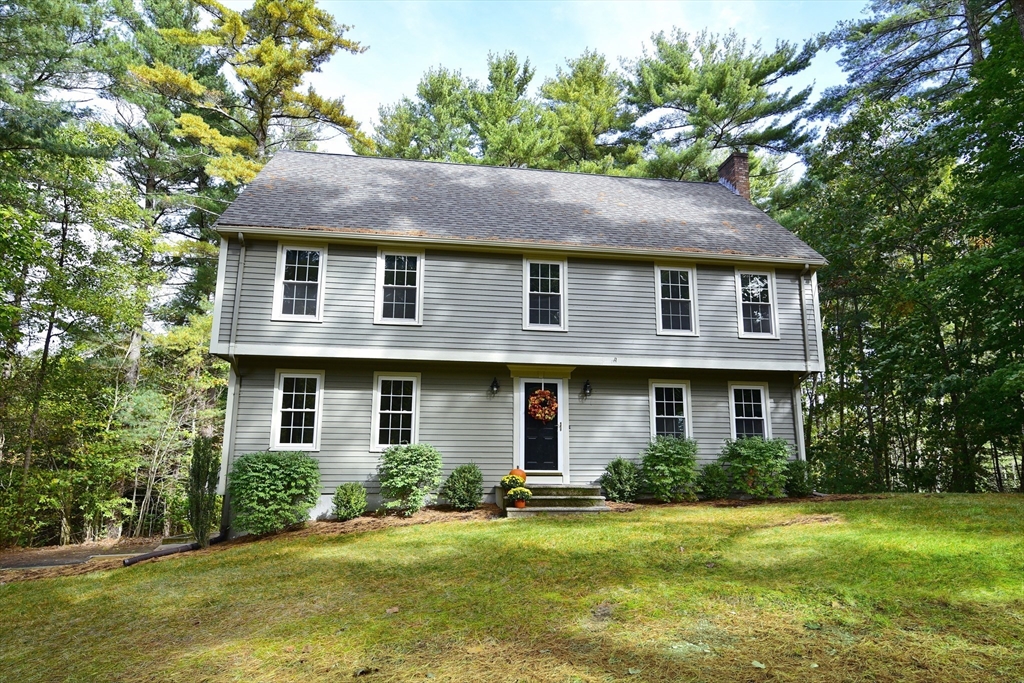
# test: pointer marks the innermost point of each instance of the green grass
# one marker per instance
(915, 588)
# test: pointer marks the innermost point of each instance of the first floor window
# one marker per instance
(395, 411)
(545, 294)
(749, 409)
(298, 409)
(675, 297)
(756, 303)
(669, 410)
(300, 283)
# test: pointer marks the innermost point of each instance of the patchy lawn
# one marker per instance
(910, 588)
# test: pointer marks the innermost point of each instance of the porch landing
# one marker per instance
(562, 499)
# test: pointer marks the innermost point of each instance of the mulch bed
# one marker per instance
(369, 522)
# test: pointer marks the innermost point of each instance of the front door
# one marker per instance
(541, 425)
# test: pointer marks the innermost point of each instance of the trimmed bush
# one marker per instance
(756, 466)
(621, 480)
(271, 491)
(714, 481)
(201, 488)
(799, 479)
(464, 489)
(349, 501)
(670, 468)
(407, 475)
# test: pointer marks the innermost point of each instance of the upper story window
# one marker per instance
(395, 410)
(677, 300)
(670, 409)
(298, 396)
(544, 295)
(756, 294)
(299, 287)
(748, 404)
(399, 290)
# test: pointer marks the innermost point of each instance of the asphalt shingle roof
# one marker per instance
(338, 193)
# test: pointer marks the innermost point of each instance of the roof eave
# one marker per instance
(366, 236)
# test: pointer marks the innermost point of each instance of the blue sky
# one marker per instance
(406, 38)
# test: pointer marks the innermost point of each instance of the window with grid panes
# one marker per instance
(749, 412)
(301, 282)
(670, 411)
(676, 300)
(756, 303)
(400, 287)
(298, 410)
(545, 294)
(396, 411)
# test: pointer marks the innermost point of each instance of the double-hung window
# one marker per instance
(299, 286)
(670, 408)
(677, 300)
(544, 295)
(399, 290)
(298, 399)
(756, 294)
(748, 405)
(395, 410)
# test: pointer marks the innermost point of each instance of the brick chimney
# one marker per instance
(734, 173)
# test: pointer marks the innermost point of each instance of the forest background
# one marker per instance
(912, 187)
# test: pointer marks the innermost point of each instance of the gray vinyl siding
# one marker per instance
(459, 416)
(473, 302)
(616, 420)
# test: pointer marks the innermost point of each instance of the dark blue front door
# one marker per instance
(540, 451)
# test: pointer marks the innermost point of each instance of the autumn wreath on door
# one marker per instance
(542, 406)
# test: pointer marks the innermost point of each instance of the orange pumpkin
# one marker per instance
(519, 473)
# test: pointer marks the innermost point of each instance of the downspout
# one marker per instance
(798, 417)
(229, 436)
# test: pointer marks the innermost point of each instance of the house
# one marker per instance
(364, 302)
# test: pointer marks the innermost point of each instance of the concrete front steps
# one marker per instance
(564, 499)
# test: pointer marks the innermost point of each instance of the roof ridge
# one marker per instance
(498, 168)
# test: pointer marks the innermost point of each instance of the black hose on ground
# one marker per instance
(160, 552)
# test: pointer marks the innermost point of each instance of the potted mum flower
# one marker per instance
(511, 481)
(519, 495)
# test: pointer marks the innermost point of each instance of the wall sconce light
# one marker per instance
(495, 387)
(587, 389)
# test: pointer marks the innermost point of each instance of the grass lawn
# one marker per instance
(910, 588)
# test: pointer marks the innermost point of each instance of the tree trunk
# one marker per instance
(1018, 11)
(974, 39)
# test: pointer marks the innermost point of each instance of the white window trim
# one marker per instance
(694, 317)
(774, 302)
(276, 314)
(275, 422)
(378, 296)
(563, 295)
(672, 383)
(766, 406)
(375, 446)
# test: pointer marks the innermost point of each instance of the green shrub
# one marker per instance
(756, 466)
(670, 468)
(714, 481)
(349, 501)
(464, 489)
(512, 481)
(799, 479)
(407, 476)
(201, 488)
(271, 491)
(621, 480)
